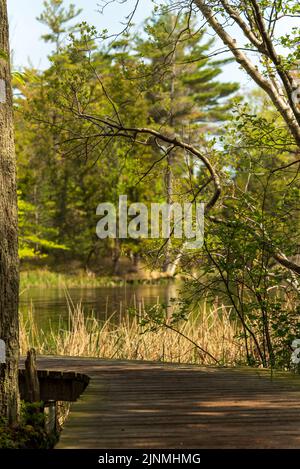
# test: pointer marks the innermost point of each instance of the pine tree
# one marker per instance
(57, 18)
(182, 87)
(9, 265)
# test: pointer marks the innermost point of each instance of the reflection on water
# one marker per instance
(50, 304)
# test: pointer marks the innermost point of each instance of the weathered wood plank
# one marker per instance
(55, 385)
(151, 405)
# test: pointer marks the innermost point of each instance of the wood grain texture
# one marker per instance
(150, 405)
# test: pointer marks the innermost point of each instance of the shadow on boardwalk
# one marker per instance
(152, 405)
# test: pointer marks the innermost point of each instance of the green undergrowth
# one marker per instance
(30, 433)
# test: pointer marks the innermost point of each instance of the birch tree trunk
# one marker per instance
(9, 265)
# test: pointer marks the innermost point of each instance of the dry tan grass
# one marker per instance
(213, 329)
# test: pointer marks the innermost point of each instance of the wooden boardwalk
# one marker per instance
(150, 405)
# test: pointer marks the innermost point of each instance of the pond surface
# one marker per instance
(51, 304)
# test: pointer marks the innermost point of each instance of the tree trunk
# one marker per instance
(169, 184)
(170, 161)
(116, 253)
(9, 263)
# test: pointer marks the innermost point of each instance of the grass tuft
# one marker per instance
(213, 330)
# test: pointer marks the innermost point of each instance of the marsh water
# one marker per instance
(49, 305)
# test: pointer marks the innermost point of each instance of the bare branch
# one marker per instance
(286, 107)
(132, 132)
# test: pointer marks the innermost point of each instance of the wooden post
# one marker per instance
(50, 410)
(31, 377)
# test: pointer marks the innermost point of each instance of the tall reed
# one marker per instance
(212, 330)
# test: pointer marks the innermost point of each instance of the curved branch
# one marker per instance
(275, 253)
(279, 102)
(285, 262)
(132, 132)
(233, 13)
